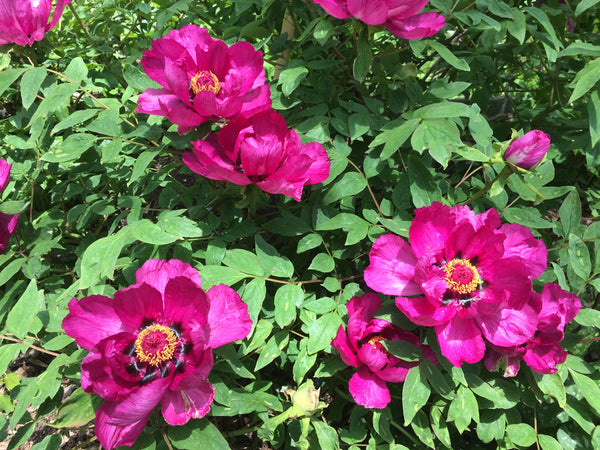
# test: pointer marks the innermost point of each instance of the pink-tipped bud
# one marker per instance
(528, 150)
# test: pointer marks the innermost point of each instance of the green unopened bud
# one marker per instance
(305, 400)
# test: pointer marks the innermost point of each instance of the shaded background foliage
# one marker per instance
(101, 189)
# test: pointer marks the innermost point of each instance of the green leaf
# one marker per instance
(150, 233)
(570, 214)
(271, 261)
(141, 164)
(415, 393)
(364, 59)
(99, 259)
(75, 118)
(518, 26)
(197, 434)
(8, 77)
(585, 79)
(77, 410)
(322, 262)
(583, 5)
(588, 317)
(589, 388)
(76, 70)
(292, 75)
(491, 426)
(448, 56)
(439, 137)
(244, 261)
(71, 148)
(322, 331)
(229, 354)
(440, 426)
(22, 315)
(30, 85)
(272, 349)
(59, 96)
(173, 223)
(542, 18)
(323, 31)
(548, 442)
(309, 242)
(287, 298)
(393, 138)
(420, 425)
(552, 384)
(349, 184)
(422, 187)
(463, 408)
(594, 117)
(579, 257)
(304, 362)
(521, 434)
(212, 275)
(403, 350)
(327, 436)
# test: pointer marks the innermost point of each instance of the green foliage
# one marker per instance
(100, 189)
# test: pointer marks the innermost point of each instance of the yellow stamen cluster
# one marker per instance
(205, 80)
(159, 336)
(462, 276)
(374, 340)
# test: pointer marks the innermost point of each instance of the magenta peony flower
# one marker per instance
(8, 222)
(202, 78)
(528, 150)
(153, 343)
(361, 347)
(260, 150)
(400, 17)
(464, 274)
(26, 21)
(555, 308)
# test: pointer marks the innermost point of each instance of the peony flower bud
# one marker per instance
(528, 150)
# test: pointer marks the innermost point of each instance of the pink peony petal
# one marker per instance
(91, 319)
(346, 347)
(228, 318)
(4, 173)
(400, 9)
(431, 228)
(136, 304)
(368, 389)
(8, 223)
(510, 327)
(392, 267)
(337, 8)
(368, 11)
(191, 400)
(544, 358)
(185, 300)
(460, 341)
(521, 244)
(157, 273)
(416, 27)
(120, 423)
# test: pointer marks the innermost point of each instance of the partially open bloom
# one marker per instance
(463, 273)
(26, 21)
(555, 308)
(361, 346)
(262, 150)
(202, 79)
(528, 150)
(153, 344)
(8, 222)
(401, 17)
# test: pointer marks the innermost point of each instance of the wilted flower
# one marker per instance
(153, 344)
(262, 150)
(401, 17)
(26, 21)
(202, 78)
(555, 308)
(8, 222)
(463, 273)
(528, 150)
(362, 347)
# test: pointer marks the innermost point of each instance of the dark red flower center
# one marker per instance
(205, 80)
(462, 276)
(156, 344)
(375, 340)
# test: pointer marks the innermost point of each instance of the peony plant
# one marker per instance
(25, 21)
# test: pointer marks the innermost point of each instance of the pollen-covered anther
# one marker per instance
(205, 80)
(462, 276)
(374, 340)
(156, 344)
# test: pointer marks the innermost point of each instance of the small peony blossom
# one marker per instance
(528, 150)
(555, 308)
(8, 222)
(202, 79)
(464, 274)
(361, 346)
(400, 17)
(26, 21)
(262, 150)
(152, 343)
